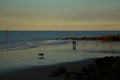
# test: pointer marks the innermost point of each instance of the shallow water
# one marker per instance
(16, 40)
(55, 54)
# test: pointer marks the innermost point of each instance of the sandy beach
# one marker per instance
(43, 73)
(59, 39)
(26, 64)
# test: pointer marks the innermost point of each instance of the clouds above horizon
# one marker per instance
(36, 13)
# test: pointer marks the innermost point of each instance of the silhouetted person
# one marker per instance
(74, 45)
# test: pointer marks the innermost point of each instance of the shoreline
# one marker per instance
(44, 72)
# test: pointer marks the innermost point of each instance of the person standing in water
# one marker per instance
(74, 45)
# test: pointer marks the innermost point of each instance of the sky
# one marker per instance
(59, 15)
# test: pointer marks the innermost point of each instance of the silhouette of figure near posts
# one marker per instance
(74, 45)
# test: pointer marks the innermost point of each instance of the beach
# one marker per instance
(44, 72)
(79, 70)
(59, 39)
(27, 64)
(37, 59)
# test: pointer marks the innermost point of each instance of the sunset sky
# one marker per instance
(59, 14)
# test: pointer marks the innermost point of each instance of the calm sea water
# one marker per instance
(29, 39)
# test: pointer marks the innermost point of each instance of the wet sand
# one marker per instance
(44, 72)
(74, 61)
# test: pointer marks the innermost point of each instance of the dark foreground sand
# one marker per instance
(43, 73)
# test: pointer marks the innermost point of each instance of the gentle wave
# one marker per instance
(31, 44)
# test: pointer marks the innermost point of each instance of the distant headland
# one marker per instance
(101, 38)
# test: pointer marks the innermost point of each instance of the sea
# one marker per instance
(10, 40)
(21, 49)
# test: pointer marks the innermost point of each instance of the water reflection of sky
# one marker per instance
(54, 54)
